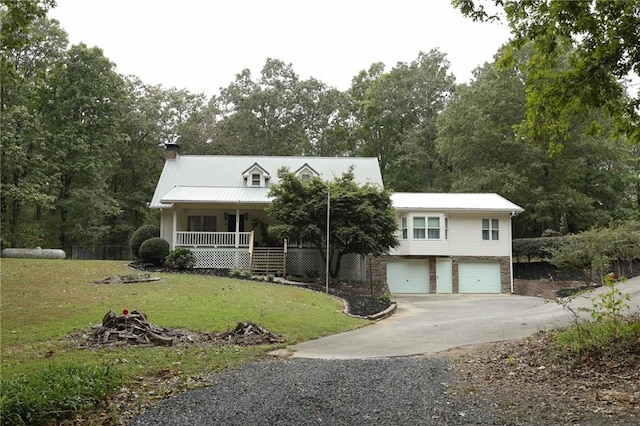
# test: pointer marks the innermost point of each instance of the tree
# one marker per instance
(362, 220)
(397, 112)
(588, 183)
(263, 116)
(24, 182)
(602, 38)
(82, 106)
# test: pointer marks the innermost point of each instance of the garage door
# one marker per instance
(408, 276)
(479, 277)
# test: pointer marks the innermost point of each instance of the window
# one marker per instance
(255, 179)
(490, 229)
(446, 228)
(405, 232)
(433, 228)
(201, 223)
(306, 177)
(419, 228)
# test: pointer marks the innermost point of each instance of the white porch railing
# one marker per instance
(212, 239)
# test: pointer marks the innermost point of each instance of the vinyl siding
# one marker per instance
(464, 239)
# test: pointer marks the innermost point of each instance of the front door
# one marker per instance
(231, 223)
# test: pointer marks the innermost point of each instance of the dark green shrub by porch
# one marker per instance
(181, 259)
(154, 250)
(141, 235)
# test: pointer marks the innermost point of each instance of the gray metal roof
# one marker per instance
(405, 201)
(190, 194)
(202, 176)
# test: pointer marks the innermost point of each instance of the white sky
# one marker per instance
(200, 45)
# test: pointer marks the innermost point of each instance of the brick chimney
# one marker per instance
(171, 151)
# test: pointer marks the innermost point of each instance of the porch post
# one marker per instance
(237, 238)
(173, 229)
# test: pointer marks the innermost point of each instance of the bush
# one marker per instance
(141, 235)
(181, 259)
(56, 394)
(154, 250)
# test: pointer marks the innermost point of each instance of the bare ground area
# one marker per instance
(529, 382)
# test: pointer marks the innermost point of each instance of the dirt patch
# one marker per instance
(529, 382)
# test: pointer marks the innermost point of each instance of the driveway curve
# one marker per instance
(426, 324)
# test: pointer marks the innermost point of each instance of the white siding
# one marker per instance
(166, 225)
(464, 237)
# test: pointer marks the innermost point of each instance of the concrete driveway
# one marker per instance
(425, 324)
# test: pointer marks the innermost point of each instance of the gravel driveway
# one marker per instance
(400, 391)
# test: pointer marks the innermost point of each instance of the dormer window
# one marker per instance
(256, 176)
(305, 172)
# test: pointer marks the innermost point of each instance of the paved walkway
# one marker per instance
(433, 323)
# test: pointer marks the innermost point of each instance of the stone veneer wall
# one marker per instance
(379, 270)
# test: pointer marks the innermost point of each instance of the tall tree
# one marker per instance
(24, 184)
(362, 219)
(263, 116)
(589, 183)
(397, 115)
(603, 40)
(81, 108)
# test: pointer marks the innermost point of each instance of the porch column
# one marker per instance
(174, 229)
(237, 228)
(237, 238)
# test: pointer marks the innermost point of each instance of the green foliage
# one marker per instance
(608, 331)
(564, 193)
(155, 250)
(397, 113)
(362, 219)
(181, 258)
(141, 235)
(535, 248)
(603, 41)
(612, 304)
(56, 394)
(595, 250)
(598, 338)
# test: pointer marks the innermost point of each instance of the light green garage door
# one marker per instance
(479, 277)
(408, 276)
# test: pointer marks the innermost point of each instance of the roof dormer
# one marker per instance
(256, 176)
(306, 172)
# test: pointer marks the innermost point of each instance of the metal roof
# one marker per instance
(206, 175)
(189, 194)
(453, 202)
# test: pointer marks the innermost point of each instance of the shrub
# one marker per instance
(141, 235)
(154, 250)
(181, 259)
(56, 394)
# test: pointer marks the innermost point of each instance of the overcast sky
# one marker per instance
(201, 45)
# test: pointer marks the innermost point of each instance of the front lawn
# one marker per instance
(46, 301)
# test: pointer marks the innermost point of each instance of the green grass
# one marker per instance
(44, 301)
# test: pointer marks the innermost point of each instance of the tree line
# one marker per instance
(81, 144)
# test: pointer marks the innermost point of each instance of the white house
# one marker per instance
(215, 206)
